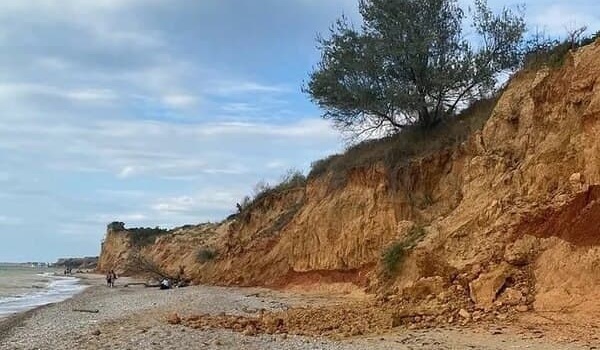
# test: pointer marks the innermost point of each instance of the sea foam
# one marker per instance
(57, 289)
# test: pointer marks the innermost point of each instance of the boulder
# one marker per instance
(173, 319)
(511, 296)
(425, 287)
(485, 289)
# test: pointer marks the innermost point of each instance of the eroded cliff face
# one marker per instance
(516, 203)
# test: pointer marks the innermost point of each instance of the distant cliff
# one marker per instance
(86, 263)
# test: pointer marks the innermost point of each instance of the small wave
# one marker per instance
(46, 274)
(58, 289)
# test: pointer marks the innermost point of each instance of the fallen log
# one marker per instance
(136, 284)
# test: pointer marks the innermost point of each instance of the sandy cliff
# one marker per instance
(511, 216)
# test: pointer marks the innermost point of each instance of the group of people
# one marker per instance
(165, 282)
(111, 277)
(178, 282)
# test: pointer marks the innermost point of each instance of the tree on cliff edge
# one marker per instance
(410, 63)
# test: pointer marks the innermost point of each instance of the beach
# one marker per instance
(136, 318)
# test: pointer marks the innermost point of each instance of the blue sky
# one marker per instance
(161, 112)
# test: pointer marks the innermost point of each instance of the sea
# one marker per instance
(25, 287)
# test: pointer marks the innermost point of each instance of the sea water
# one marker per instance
(23, 288)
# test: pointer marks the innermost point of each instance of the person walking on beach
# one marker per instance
(113, 278)
(109, 280)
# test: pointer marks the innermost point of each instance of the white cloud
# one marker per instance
(557, 19)
(91, 94)
(126, 172)
(159, 149)
(240, 107)
(9, 90)
(180, 100)
(216, 199)
(176, 204)
(228, 88)
(276, 164)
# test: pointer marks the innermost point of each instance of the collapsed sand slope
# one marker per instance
(510, 215)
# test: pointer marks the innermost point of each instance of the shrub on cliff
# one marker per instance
(205, 255)
(395, 150)
(142, 236)
(116, 226)
(395, 254)
(292, 179)
(410, 64)
(542, 51)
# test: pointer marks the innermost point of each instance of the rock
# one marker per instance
(443, 296)
(576, 180)
(96, 332)
(521, 251)
(484, 290)
(464, 314)
(355, 331)
(173, 319)
(424, 287)
(249, 331)
(522, 308)
(511, 297)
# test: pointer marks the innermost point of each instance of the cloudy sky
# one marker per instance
(160, 112)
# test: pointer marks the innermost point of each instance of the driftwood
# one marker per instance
(146, 285)
(136, 284)
(94, 311)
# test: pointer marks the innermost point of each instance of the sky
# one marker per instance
(162, 112)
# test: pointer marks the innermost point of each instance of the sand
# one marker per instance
(135, 318)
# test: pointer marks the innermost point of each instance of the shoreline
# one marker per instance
(18, 319)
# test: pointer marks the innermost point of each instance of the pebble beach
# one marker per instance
(134, 317)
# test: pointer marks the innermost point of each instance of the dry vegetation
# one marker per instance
(396, 150)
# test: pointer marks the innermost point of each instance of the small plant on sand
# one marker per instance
(205, 255)
(395, 254)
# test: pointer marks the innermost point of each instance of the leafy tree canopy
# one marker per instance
(410, 63)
